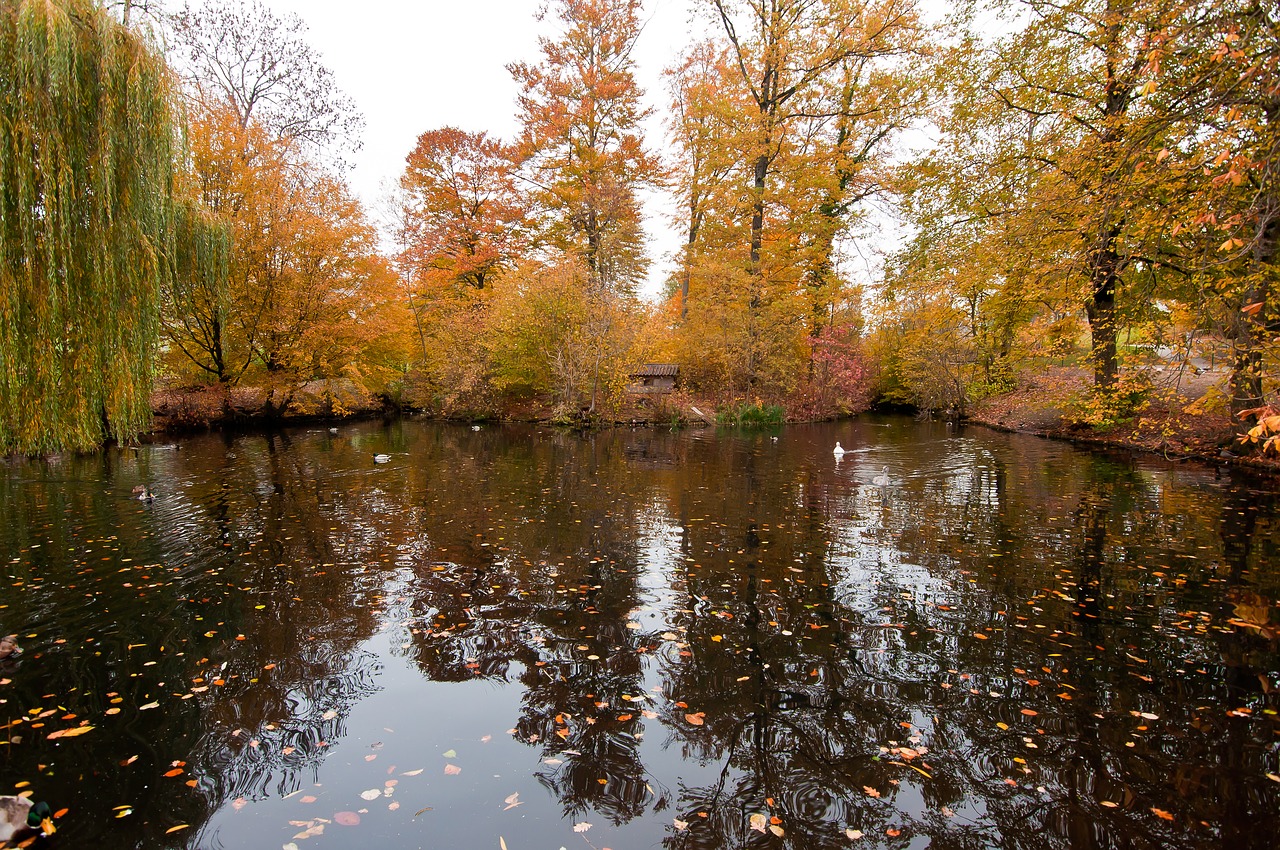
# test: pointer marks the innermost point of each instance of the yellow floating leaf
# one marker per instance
(177, 828)
(73, 732)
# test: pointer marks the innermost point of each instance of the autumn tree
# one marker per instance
(551, 332)
(463, 218)
(87, 142)
(305, 294)
(707, 119)
(1215, 73)
(781, 124)
(786, 52)
(581, 143)
(266, 71)
(1053, 138)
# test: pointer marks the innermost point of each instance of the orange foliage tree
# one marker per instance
(306, 294)
(581, 144)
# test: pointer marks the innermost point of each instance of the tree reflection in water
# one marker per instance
(1018, 644)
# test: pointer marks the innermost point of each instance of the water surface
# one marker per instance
(641, 639)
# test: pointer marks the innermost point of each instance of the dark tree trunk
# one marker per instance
(1103, 323)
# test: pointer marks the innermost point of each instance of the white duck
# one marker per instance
(838, 451)
(882, 480)
(381, 458)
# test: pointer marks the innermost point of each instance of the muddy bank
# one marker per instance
(1181, 418)
(204, 408)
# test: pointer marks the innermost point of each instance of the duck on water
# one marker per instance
(21, 819)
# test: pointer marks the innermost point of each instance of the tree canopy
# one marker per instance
(871, 205)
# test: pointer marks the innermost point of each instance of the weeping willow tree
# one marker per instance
(87, 143)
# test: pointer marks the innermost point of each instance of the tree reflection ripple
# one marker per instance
(640, 638)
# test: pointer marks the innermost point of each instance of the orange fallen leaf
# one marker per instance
(70, 733)
(696, 719)
(177, 771)
(871, 792)
(180, 826)
(1161, 813)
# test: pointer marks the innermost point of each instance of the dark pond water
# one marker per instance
(637, 639)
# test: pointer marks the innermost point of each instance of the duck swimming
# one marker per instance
(838, 451)
(882, 480)
(21, 819)
(143, 493)
(9, 647)
(381, 458)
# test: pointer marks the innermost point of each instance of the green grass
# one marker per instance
(752, 416)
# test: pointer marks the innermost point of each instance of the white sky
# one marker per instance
(414, 65)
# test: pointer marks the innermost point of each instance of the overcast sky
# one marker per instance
(414, 65)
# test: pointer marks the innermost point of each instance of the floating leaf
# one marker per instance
(777, 830)
(871, 792)
(450, 754)
(697, 718)
(70, 733)
(1161, 813)
(512, 801)
(346, 818)
(759, 822)
(581, 827)
(371, 794)
(177, 828)
(854, 834)
(412, 772)
(452, 770)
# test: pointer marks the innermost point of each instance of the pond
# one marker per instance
(526, 638)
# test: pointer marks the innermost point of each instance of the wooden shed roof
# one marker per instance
(656, 370)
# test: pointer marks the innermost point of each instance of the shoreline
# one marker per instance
(1037, 408)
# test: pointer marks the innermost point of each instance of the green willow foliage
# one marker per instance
(87, 144)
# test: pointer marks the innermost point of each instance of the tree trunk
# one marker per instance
(757, 217)
(1249, 328)
(1104, 275)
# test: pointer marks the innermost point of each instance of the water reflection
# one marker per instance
(693, 639)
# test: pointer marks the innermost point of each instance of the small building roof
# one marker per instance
(655, 370)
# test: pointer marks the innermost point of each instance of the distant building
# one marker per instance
(653, 378)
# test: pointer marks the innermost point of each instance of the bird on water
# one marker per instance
(838, 451)
(882, 480)
(21, 819)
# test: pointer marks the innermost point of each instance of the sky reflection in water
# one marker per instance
(673, 637)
